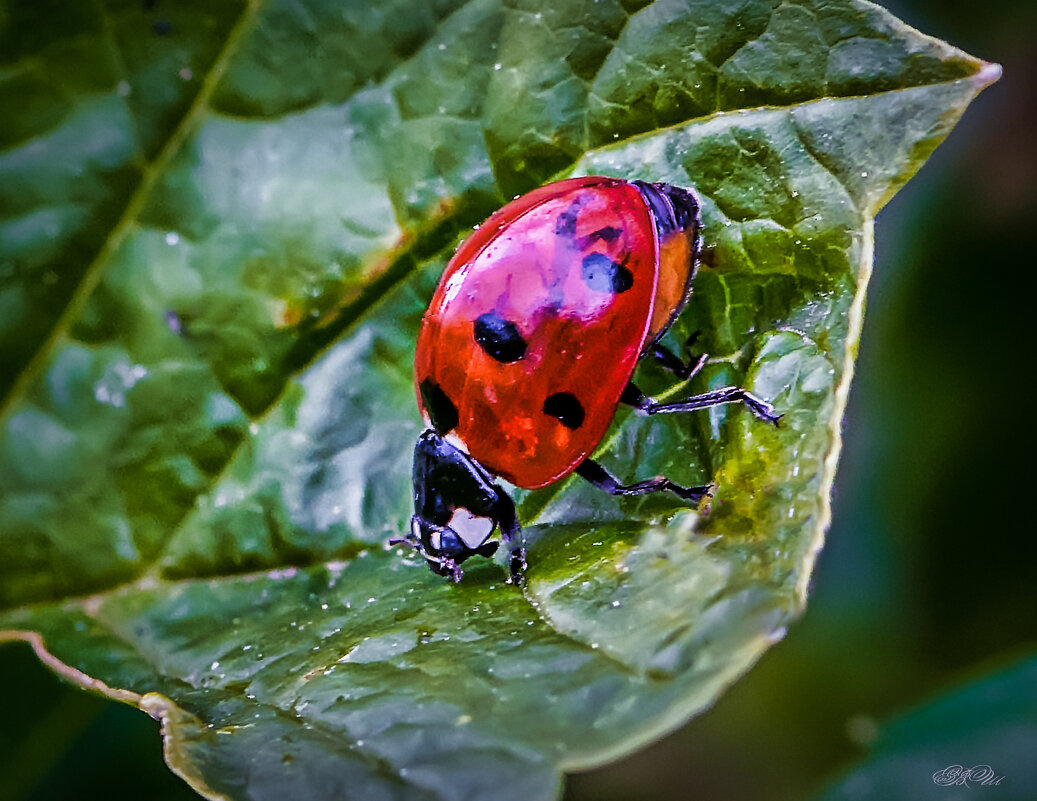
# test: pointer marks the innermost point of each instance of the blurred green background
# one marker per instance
(929, 575)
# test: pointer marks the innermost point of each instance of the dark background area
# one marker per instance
(929, 574)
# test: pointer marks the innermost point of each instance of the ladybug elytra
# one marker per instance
(528, 346)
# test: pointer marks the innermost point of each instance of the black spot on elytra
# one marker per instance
(564, 407)
(500, 338)
(607, 234)
(565, 224)
(439, 406)
(602, 274)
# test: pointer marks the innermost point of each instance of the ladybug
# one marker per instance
(527, 349)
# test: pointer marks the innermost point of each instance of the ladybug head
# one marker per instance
(457, 507)
(444, 548)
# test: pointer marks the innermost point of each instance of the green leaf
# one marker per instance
(975, 741)
(215, 253)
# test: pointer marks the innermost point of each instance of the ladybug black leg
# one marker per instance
(636, 398)
(604, 480)
(517, 566)
(675, 364)
(504, 513)
(444, 566)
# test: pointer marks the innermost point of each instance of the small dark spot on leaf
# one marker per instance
(173, 322)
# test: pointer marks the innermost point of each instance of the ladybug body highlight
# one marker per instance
(528, 346)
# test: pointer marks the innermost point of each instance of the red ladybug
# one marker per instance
(528, 347)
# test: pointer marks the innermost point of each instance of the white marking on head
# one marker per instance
(472, 530)
(435, 538)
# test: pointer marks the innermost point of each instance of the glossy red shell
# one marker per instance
(527, 265)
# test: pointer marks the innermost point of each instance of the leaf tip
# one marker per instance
(988, 74)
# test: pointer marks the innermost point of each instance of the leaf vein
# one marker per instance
(134, 206)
